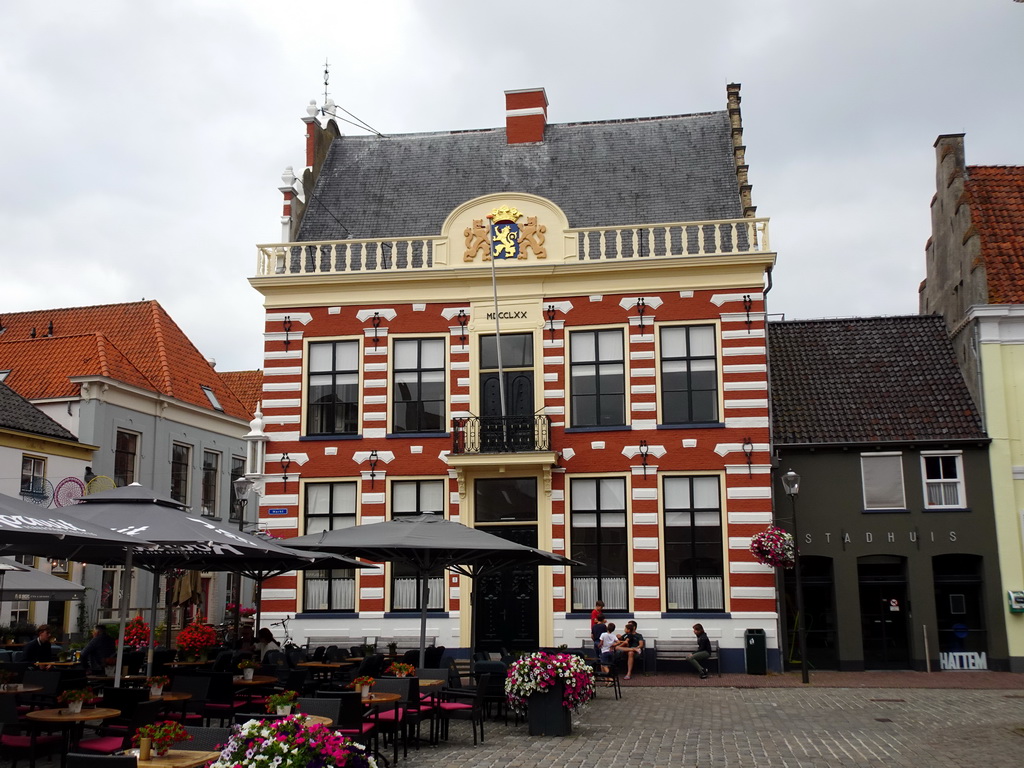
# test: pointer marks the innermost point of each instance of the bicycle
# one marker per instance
(286, 643)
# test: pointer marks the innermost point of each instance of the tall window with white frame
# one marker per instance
(329, 507)
(181, 461)
(418, 398)
(689, 375)
(126, 457)
(211, 479)
(599, 539)
(943, 476)
(237, 471)
(694, 560)
(410, 498)
(33, 477)
(332, 395)
(598, 378)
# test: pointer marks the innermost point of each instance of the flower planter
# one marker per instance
(156, 691)
(74, 707)
(109, 671)
(247, 673)
(545, 714)
(284, 710)
(365, 692)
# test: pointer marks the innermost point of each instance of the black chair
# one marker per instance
(609, 678)
(221, 703)
(22, 738)
(224, 662)
(126, 700)
(50, 680)
(464, 705)
(161, 658)
(144, 713)
(411, 657)
(494, 693)
(318, 654)
(208, 739)
(433, 655)
(78, 760)
(192, 710)
(397, 720)
(357, 721)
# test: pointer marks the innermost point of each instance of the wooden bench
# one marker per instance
(679, 650)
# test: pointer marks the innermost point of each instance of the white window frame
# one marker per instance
(875, 506)
(958, 481)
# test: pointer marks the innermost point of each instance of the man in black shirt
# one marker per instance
(38, 650)
(100, 648)
(703, 651)
(631, 643)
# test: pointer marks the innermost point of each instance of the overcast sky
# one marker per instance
(143, 142)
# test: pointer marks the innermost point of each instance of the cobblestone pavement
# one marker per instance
(661, 727)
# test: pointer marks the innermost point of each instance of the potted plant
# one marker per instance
(75, 697)
(7, 679)
(363, 685)
(773, 546)
(291, 743)
(392, 648)
(196, 639)
(283, 703)
(160, 736)
(548, 687)
(136, 634)
(110, 666)
(398, 669)
(156, 684)
(248, 667)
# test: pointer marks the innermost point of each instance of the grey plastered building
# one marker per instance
(895, 512)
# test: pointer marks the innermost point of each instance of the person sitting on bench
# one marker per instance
(703, 651)
(631, 643)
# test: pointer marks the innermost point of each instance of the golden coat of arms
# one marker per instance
(502, 237)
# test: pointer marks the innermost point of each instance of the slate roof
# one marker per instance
(660, 169)
(19, 415)
(136, 343)
(867, 381)
(247, 386)
(996, 197)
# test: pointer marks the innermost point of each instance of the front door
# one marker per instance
(507, 605)
(884, 612)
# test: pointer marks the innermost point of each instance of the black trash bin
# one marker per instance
(755, 645)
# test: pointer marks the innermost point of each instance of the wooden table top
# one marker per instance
(20, 688)
(326, 664)
(187, 664)
(48, 664)
(172, 696)
(427, 682)
(111, 678)
(178, 758)
(63, 716)
(317, 719)
(256, 680)
(382, 698)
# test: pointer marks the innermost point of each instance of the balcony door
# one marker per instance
(516, 431)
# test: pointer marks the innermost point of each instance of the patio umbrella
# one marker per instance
(23, 582)
(428, 543)
(182, 540)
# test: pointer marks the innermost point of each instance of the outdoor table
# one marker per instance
(20, 688)
(68, 721)
(171, 697)
(317, 719)
(48, 664)
(326, 664)
(427, 682)
(256, 680)
(187, 663)
(382, 698)
(177, 758)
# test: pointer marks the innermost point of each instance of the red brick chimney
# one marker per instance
(526, 114)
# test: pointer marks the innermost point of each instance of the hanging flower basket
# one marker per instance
(775, 547)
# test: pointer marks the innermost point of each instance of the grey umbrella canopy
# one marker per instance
(429, 543)
(182, 540)
(23, 582)
(26, 529)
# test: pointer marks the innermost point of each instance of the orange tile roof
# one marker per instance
(137, 343)
(247, 386)
(995, 194)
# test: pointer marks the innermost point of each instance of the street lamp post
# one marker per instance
(791, 482)
(242, 485)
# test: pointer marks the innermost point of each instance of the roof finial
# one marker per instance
(327, 78)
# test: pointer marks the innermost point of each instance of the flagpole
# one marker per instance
(497, 343)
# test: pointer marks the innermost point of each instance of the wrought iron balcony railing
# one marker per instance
(497, 434)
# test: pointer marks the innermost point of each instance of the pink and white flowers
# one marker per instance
(539, 671)
(775, 547)
(291, 743)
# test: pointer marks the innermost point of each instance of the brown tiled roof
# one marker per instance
(247, 386)
(137, 343)
(996, 197)
(867, 380)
